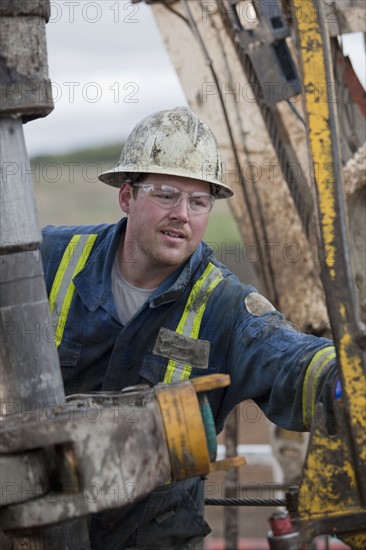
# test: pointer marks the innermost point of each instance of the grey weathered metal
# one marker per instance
(104, 451)
(19, 228)
(30, 377)
(25, 89)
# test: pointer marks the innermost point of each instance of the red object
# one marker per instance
(353, 84)
(280, 523)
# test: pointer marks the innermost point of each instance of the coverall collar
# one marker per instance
(93, 283)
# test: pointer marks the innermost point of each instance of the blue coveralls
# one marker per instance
(267, 360)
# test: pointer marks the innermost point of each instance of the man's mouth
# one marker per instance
(175, 234)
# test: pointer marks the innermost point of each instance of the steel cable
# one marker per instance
(245, 502)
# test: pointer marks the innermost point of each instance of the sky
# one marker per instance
(109, 69)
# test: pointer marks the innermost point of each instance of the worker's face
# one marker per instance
(159, 235)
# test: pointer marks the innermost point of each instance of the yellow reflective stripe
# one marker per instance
(191, 327)
(199, 314)
(169, 371)
(186, 372)
(183, 326)
(84, 255)
(318, 363)
(61, 270)
(193, 295)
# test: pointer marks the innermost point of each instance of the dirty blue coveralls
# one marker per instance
(282, 370)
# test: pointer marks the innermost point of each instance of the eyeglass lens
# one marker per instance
(169, 197)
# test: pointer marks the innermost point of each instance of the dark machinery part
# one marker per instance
(265, 45)
(252, 47)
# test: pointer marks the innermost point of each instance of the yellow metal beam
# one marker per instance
(334, 483)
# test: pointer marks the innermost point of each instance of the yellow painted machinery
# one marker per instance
(332, 496)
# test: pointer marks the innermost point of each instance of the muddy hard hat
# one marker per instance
(173, 142)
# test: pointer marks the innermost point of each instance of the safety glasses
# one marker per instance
(168, 197)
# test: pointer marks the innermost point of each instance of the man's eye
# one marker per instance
(199, 201)
(163, 195)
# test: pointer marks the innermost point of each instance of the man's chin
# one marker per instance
(171, 259)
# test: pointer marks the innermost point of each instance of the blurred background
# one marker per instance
(109, 69)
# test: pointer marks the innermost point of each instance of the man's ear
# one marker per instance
(125, 195)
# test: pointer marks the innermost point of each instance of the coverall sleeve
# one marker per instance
(283, 370)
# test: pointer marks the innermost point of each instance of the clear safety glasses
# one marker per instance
(169, 197)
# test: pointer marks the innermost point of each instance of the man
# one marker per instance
(117, 292)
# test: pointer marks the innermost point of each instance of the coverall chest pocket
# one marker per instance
(69, 355)
(175, 357)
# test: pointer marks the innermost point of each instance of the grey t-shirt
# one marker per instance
(128, 298)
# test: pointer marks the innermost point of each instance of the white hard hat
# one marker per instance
(173, 142)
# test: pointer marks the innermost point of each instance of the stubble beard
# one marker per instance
(164, 256)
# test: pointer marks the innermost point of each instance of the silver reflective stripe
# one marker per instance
(180, 372)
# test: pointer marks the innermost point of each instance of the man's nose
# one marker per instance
(180, 210)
